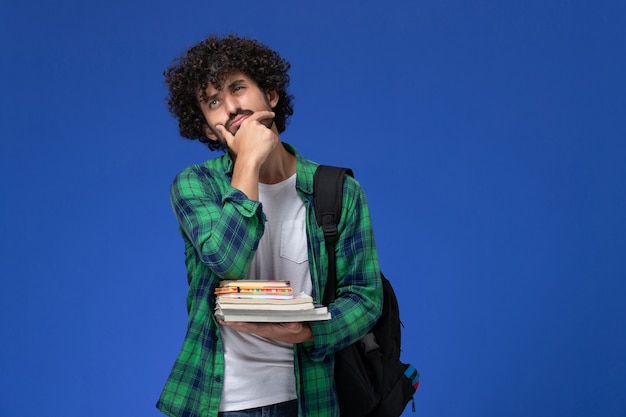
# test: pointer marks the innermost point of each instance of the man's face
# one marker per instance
(239, 98)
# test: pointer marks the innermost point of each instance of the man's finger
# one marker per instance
(225, 134)
(265, 117)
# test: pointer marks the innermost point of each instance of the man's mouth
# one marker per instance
(237, 119)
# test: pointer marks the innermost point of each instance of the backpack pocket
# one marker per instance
(399, 390)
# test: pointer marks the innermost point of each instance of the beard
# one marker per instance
(232, 117)
(220, 139)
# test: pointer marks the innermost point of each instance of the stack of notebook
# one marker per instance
(264, 301)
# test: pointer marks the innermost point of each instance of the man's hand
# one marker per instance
(254, 138)
(295, 332)
(251, 145)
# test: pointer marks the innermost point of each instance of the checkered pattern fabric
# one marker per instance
(221, 229)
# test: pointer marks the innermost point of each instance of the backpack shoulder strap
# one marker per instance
(327, 198)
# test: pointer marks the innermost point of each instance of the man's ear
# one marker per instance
(272, 98)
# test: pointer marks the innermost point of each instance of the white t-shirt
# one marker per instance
(260, 371)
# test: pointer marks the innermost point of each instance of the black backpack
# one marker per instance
(370, 379)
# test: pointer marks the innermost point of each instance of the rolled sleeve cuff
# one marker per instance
(241, 202)
(318, 349)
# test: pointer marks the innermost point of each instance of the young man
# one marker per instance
(249, 214)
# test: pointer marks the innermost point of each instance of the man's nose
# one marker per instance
(231, 104)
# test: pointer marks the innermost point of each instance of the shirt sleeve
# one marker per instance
(358, 302)
(223, 225)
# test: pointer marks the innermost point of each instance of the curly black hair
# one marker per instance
(209, 62)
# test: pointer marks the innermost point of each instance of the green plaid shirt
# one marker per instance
(221, 229)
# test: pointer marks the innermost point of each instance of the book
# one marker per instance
(253, 283)
(273, 316)
(251, 290)
(253, 287)
(264, 301)
(289, 302)
(267, 297)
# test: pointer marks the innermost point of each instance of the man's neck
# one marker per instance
(279, 166)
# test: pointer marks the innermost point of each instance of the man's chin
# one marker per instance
(222, 143)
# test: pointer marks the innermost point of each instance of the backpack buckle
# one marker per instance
(329, 227)
(330, 230)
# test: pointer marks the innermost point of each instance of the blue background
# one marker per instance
(489, 137)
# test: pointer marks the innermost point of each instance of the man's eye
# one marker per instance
(213, 103)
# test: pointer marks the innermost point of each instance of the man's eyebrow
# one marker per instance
(212, 96)
(236, 83)
(207, 98)
(203, 97)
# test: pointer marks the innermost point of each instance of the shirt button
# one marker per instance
(218, 379)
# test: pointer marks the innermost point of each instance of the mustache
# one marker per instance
(232, 117)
